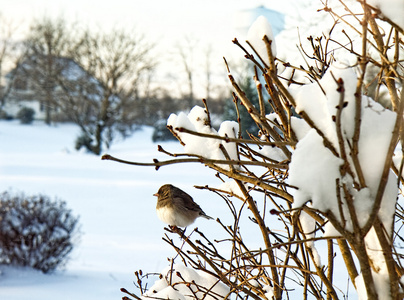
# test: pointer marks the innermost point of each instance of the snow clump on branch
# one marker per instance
(180, 282)
(197, 121)
(314, 169)
(260, 28)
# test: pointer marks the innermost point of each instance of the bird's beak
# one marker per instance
(156, 194)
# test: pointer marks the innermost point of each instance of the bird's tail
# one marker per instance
(206, 216)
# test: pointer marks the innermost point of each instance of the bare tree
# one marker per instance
(186, 52)
(208, 71)
(48, 40)
(119, 61)
(331, 175)
(92, 79)
(10, 55)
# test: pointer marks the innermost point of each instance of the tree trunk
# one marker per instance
(96, 149)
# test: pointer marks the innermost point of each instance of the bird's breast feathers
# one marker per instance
(172, 217)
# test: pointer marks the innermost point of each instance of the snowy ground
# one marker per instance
(121, 232)
(115, 202)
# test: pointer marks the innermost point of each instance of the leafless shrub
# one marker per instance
(35, 231)
(290, 261)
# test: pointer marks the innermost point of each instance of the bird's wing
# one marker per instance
(186, 201)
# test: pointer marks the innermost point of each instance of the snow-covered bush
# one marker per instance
(26, 115)
(83, 141)
(4, 115)
(161, 133)
(35, 231)
(321, 188)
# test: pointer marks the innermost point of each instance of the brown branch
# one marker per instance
(207, 112)
(348, 259)
(360, 250)
(386, 245)
(255, 115)
(323, 277)
(304, 115)
(338, 123)
(271, 257)
(235, 140)
(358, 104)
(258, 86)
(198, 159)
(217, 271)
(390, 80)
(330, 270)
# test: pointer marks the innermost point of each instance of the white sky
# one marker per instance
(164, 22)
(159, 18)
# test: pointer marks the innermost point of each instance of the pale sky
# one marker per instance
(159, 18)
(164, 22)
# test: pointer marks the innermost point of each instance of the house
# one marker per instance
(20, 95)
(48, 85)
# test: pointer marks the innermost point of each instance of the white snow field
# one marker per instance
(120, 230)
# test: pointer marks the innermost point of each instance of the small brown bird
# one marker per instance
(177, 208)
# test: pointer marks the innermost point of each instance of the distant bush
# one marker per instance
(84, 141)
(4, 115)
(26, 115)
(161, 133)
(35, 231)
